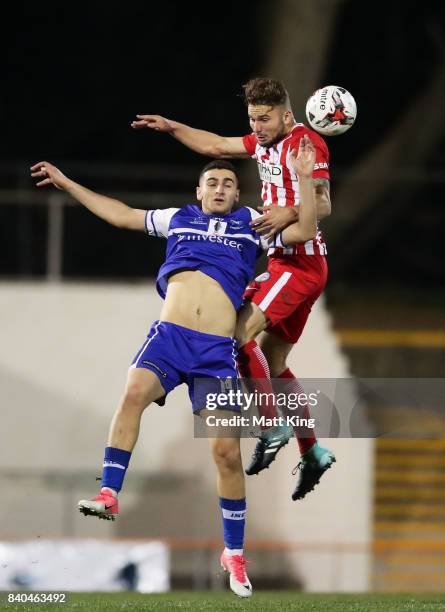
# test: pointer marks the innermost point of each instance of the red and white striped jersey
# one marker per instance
(280, 183)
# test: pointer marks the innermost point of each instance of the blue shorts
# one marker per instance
(178, 355)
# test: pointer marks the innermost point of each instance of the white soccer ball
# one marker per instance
(331, 110)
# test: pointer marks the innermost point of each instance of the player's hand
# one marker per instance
(303, 161)
(50, 175)
(154, 122)
(274, 219)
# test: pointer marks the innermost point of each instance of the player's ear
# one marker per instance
(199, 193)
(288, 117)
(237, 196)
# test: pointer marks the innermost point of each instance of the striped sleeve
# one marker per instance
(157, 221)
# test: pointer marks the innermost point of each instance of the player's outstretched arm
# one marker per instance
(199, 141)
(113, 211)
(306, 226)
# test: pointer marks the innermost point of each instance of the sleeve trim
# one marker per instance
(278, 240)
(147, 212)
(153, 224)
(249, 145)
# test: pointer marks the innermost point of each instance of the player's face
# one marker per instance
(269, 123)
(217, 191)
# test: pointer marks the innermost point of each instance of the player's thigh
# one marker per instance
(142, 387)
(251, 321)
(276, 351)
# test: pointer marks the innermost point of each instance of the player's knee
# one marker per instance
(227, 456)
(135, 397)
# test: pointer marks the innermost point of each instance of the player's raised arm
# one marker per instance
(276, 218)
(113, 211)
(199, 141)
(306, 226)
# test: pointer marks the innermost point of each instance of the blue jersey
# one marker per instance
(224, 248)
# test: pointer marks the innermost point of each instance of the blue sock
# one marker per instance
(115, 465)
(233, 516)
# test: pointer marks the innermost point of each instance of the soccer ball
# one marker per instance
(331, 110)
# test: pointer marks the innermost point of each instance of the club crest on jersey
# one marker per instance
(216, 226)
(271, 173)
(262, 277)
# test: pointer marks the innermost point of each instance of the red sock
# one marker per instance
(254, 369)
(304, 435)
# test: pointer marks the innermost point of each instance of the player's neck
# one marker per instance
(290, 128)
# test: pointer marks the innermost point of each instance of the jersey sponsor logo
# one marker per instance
(271, 173)
(321, 166)
(215, 238)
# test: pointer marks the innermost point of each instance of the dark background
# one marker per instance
(77, 74)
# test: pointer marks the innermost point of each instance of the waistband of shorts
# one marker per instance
(295, 261)
(296, 256)
(194, 332)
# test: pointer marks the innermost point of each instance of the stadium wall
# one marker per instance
(64, 355)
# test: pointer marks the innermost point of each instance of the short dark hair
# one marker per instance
(263, 90)
(219, 164)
